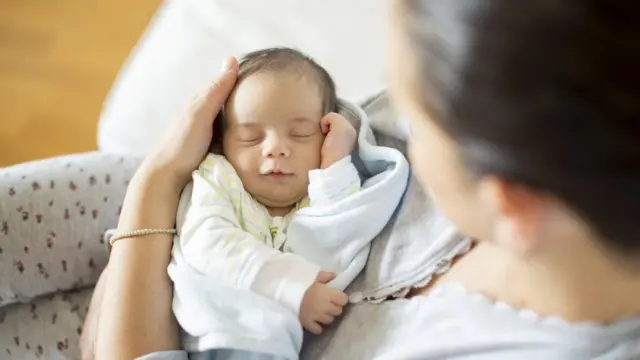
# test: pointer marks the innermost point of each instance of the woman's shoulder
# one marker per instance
(449, 322)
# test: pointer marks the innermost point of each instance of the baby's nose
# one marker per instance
(275, 146)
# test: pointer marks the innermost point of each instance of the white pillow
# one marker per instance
(188, 39)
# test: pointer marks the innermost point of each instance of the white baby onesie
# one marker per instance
(237, 287)
(230, 237)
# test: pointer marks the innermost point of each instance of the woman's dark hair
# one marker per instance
(544, 93)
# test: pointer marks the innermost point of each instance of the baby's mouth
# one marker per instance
(277, 174)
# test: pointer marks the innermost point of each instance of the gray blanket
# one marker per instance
(417, 243)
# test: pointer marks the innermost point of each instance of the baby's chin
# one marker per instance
(279, 200)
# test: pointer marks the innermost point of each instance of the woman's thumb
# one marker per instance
(325, 277)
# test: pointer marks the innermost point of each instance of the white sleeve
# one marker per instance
(327, 233)
(333, 184)
(337, 235)
(213, 241)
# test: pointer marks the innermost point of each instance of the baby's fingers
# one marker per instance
(339, 298)
(314, 328)
(325, 277)
(330, 120)
(325, 124)
(334, 310)
(325, 319)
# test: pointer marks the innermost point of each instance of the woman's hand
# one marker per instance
(168, 166)
(187, 140)
(136, 292)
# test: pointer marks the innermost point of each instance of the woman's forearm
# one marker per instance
(135, 313)
(135, 316)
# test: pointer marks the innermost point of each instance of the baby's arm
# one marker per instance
(338, 178)
(213, 241)
(333, 184)
(334, 232)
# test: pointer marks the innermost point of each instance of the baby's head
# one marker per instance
(272, 133)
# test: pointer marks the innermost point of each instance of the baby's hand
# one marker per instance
(340, 140)
(321, 304)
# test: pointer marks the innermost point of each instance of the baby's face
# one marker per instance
(273, 137)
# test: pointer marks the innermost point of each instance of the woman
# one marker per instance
(530, 151)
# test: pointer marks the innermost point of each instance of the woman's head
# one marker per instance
(525, 114)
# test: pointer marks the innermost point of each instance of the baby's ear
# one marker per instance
(218, 132)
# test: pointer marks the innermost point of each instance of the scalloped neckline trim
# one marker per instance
(529, 315)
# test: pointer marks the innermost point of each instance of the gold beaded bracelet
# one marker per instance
(141, 232)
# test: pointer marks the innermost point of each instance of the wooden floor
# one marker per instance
(58, 59)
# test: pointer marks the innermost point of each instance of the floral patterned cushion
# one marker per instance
(53, 214)
(47, 328)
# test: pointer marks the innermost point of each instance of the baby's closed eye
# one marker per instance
(305, 131)
(248, 135)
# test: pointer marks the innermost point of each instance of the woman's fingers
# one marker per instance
(187, 141)
(210, 103)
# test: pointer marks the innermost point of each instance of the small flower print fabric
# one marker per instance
(53, 215)
(48, 327)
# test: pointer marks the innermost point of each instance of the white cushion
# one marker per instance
(187, 41)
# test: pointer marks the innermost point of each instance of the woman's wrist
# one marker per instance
(151, 200)
(161, 174)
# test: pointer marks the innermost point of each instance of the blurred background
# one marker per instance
(58, 60)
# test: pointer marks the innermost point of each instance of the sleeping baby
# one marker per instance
(284, 148)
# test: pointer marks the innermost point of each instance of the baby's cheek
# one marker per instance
(314, 156)
(244, 159)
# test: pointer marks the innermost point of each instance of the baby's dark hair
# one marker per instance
(280, 59)
(288, 59)
(543, 93)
